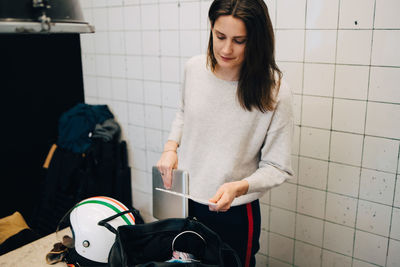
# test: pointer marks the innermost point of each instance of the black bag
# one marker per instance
(152, 244)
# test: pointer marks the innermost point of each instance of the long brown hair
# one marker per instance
(259, 74)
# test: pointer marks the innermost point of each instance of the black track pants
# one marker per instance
(239, 227)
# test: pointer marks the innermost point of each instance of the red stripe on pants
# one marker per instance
(250, 234)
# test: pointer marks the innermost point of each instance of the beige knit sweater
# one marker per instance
(221, 142)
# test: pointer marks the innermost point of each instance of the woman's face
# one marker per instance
(229, 42)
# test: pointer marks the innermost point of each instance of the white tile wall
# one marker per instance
(284, 196)
(343, 179)
(168, 116)
(152, 93)
(313, 173)
(322, 14)
(380, 154)
(189, 16)
(309, 229)
(331, 259)
(385, 42)
(115, 18)
(134, 67)
(311, 202)
(295, 145)
(354, 46)
(373, 217)
(133, 43)
(135, 91)
(341, 209)
(169, 43)
(340, 57)
(104, 87)
(386, 14)
(346, 148)
(393, 258)
(170, 94)
(264, 207)
(370, 247)
(119, 89)
(282, 222)
(137, 136)
(377, 186)
(263, 244)
(354, 17)
(117, 42)
(169, 16)
(395, 225)
(276, 263)
(338, 238)
(150, 72)
(149, 17)
(293, 73)
(319, 79)
(320, 46)
(384, 84)
(316, 111)
(383, 120)
(297, 103)
(396, 201)
(90, 85)
(307, 255)
(289, 45)
(103, 65)
(314, 143)
(136, 112)
(354, 86)
(352, 121)
(101, 43)
(281, 247)
(189, 43)
(132, 18)
(359, 263)
(290, 14)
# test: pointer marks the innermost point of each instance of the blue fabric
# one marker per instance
(77, 124)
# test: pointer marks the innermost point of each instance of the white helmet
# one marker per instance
(93, 224)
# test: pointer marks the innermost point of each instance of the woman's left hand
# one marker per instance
(226, 193)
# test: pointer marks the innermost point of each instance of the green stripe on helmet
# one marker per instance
(108, 205)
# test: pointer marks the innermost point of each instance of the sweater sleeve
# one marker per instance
(275, 155)
(175, 133)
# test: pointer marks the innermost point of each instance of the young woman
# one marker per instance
(234, 125)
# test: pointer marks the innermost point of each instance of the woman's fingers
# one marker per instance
(224, 197)
(167, 179)
(165, 165)
(166, 175)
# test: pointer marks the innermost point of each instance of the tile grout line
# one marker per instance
(323, 220)
(363, 141)
(330, 135)
(143, 90)
(270, 191)
(344, 163)
(333, 29)
(125, 70)
(300, 131)
(391, 215)
(160, 82)
(339, 64)
(347, 196)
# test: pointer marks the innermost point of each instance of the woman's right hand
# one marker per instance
(167, 162)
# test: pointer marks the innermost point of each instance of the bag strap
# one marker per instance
(187, 232)
(226, 250)
(106, 220)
